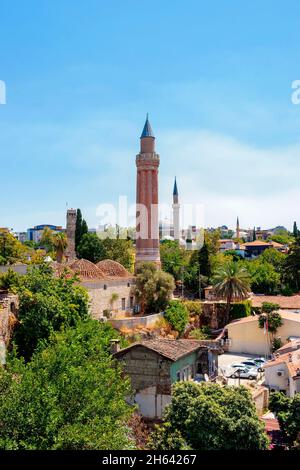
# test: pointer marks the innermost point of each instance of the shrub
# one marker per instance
(240, 309)
(201, 333)
(194, 307)
(177, 315)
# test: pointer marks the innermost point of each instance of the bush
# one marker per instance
(201, 333)
(240, 309)
(194, 307)
(177, 315)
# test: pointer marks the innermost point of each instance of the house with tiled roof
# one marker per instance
(245, 335)
(257, 247)
(282, 373)
(154, 365)
(290, 303)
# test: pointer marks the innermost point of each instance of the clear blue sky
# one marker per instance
(215, 78)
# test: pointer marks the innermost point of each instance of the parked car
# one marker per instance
(233, 367)
(260, 361)
(245, 373)
(252, 363)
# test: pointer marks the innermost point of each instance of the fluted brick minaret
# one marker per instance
(147, 162)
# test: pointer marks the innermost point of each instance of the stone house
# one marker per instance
(108, 283)
(154, 365)
(8, 318)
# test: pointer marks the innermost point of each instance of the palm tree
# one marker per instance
(231, 282)
(60, 243)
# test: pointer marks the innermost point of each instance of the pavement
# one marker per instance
(226, 359)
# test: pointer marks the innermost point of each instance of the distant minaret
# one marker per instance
(147, 162)
(70, 231)
(176, 207)
(237, 228)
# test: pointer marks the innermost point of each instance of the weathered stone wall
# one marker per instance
(213, 314)
(9, 304)
(135, 322)
(100, 294)
(147, 369)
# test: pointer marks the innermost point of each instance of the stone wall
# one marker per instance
(134, 322)
(155, 370)
(100, 294)
(213, 314)
(9, 304)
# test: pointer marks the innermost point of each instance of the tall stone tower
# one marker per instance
(237, 228)
(70, 253)
(176, 207)
(147, 231)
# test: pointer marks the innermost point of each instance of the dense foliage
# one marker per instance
(177, 315)
(240, 309)
(11, 250)
(270, 317)
(47, 304)
(288, 413)
(153, 288)
(231, 282)
(209, 417)
(69, 396)
(81, 228)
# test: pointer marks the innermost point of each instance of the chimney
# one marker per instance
(114, 346)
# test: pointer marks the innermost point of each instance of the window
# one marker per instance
(178, 376)
(131, 302)
(128, 284)
(123, 303)
(105, 287)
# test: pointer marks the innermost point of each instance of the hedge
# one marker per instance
(240, 309)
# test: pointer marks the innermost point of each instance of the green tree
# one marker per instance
(173, 257)
(270, 314)
(91, 248)
(288, 413)
(153, 288)
(210, 417)
(46, 305)
(291, 269)
(60, 243)
(231, 282)
(11, 250)
(273, 257)
(70, 396)
(295, 230)
(46, 241)
(177, 315)
(81, 228)
(265, 279)
(120, 250)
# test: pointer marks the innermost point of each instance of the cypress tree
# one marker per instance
(78, 230)
(295, 230)
(254, 234)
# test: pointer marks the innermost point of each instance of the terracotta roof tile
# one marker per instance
(288, 302)
(113, 268)
(172, 349)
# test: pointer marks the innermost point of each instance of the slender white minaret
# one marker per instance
(176, 207)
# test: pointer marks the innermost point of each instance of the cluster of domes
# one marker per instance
(112, 268)
(86, 270)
